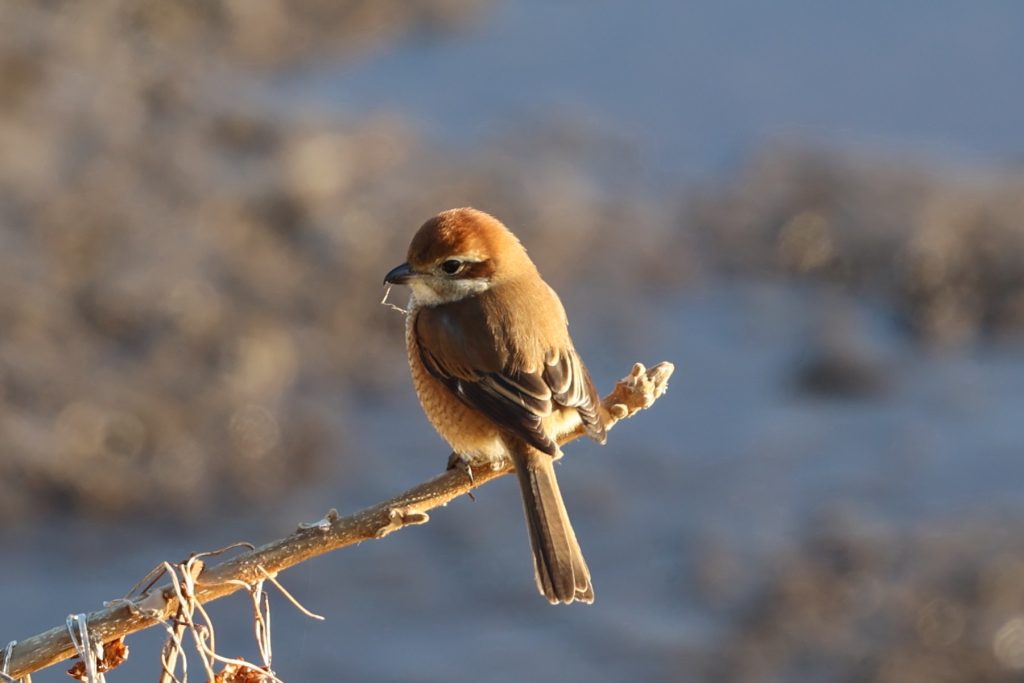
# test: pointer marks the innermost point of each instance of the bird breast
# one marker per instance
(467, 431)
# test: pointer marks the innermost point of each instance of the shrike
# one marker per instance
(497, 375)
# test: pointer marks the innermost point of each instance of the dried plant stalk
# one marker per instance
(638, 390)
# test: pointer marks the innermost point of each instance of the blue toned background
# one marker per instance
(813, 209)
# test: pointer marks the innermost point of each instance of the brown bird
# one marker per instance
(497, 375)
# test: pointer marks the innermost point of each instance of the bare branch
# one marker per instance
(638, 390)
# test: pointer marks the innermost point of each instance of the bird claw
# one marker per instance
(457, 461)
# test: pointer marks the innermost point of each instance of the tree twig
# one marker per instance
(638, 390)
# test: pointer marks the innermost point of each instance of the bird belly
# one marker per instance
(467, 431)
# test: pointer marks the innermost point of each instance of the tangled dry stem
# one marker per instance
(163, 604)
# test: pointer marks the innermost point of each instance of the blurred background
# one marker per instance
(816, 210)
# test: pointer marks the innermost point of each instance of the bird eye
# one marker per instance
(451, 266)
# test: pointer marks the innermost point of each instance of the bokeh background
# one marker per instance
(816, 210)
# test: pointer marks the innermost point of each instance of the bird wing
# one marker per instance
(479, 364)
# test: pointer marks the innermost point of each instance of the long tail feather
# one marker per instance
(561, 572)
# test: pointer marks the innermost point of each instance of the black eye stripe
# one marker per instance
(477, 269)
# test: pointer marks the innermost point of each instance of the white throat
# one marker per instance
(431, 291)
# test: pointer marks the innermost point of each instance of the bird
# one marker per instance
(496, 372)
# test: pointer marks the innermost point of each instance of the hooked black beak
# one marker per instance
(399, 275)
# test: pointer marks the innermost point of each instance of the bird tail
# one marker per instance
(560, 570)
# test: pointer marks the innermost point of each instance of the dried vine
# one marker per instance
(164, 604)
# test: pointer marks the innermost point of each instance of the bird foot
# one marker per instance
(457, 461)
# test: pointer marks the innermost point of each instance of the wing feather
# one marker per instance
(483, 375)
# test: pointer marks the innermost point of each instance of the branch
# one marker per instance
(638, 390)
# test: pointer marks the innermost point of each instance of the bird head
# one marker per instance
(459, 253)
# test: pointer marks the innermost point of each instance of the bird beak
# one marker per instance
(400, 275)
